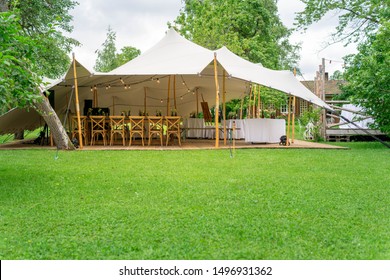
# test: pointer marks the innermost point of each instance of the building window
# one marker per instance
(283, 109)
(303, 106)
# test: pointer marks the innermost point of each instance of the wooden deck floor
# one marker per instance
(188, 144)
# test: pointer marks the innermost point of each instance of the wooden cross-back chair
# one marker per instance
(117, 127)
(173, 128)
(137, 127)
(98, 127)
(155, 128)
(83, 128)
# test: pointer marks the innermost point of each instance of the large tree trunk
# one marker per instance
(60, 136)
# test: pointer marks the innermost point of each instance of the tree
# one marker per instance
(45, 21)
(337, 75)
(108, 59)
(32, 46)
(127, 54)
(367, 72)
(250, 29)
(357, 18)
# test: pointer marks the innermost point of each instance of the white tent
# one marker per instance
(143, 82)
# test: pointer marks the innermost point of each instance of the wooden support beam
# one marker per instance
(250, 102)
(168, 99)
(145, 89)
(77, 102)
(288, 121)
(293, 119)
(174, 93)
(197, 102)
(113, 106)
(216, 101)
(258, 102)
(224, 106)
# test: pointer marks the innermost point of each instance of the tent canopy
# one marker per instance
(143, 82)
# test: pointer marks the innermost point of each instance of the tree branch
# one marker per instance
(360, 15)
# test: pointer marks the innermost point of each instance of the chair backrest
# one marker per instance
(173, 123)
(155, 123)
(75, 123)
(117, 122)
(137, 123)
(98, 123)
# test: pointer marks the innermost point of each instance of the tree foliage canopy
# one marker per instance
(19, 81)
(32, 46)
(368, 76)
(368, 72)
(357, 18)
(108, 59)
(46, 21)
(250, 28)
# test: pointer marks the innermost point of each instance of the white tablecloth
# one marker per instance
(240, 128)
(264, 130)
(197, 124)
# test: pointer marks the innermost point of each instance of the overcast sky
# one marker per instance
(142, 23)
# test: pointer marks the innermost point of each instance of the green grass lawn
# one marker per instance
(261, 204)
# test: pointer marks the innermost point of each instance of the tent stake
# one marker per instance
(77, 101)
(216, 102)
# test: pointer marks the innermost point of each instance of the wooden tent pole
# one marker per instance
(254, 102)
(174, 93)
(77, 102)
(250, 101)
(241, 108)
(197, 102)
(216, 102)
(113, 106)
(169, 93)
(258, 102)
(144, 101)
(288, 121)
(224, 106)
(293, 112)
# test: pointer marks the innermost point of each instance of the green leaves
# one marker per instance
(250, 28)
(108, 59)
(18, 83)
(357, 18)
(368, 73)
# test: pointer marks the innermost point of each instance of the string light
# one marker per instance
(91, 89)
(161, 100)
(120, 79)
(158, 80)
